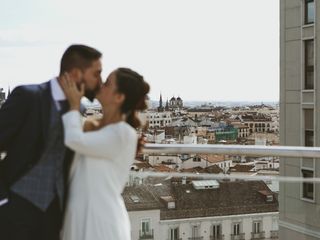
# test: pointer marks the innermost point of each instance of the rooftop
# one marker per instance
(229, 198)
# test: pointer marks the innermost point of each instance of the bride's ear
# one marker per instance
(120, 97)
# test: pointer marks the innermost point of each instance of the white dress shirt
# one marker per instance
(57, 92)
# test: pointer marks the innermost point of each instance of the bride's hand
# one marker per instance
(73, 94)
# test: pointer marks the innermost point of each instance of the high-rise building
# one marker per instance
(299, 116)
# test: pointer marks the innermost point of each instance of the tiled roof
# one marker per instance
(163, 168)
(142, 164)
(212, 158)
(211, 169)
(146, 201)
(241, 168)
(231, 198)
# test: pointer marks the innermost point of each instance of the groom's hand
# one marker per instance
(72, 92)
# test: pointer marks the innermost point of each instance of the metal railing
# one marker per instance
(248, 150)
(146, 235)
(256, 236)
(219, 237)
(240, 236)
(274, 234)
(233, 150)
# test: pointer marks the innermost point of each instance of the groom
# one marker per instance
(34, 171)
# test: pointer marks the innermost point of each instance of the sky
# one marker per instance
(206, 50)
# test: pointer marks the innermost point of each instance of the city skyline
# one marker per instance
(208, 51)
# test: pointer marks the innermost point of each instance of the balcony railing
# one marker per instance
(256, 236)
(220, 237)
(233, 150)
(146, 235)
(274, 234)
(236, 150)
(240, 236)
(195, 238)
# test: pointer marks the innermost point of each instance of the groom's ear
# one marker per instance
(76, 75)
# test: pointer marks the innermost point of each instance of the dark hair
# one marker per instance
(78, 56)
(135, 89)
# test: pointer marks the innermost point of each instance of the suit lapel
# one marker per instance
(46, 100)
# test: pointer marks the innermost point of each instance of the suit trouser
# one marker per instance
(21, 220)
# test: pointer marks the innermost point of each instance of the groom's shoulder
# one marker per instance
(30, 89)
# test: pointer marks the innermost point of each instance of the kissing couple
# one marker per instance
(62, 176)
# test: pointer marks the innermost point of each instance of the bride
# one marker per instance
(95, 208)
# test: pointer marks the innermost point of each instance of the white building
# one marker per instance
(157, 119)
(181, 162)
(164, 210)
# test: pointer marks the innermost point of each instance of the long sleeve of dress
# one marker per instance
(104, 143)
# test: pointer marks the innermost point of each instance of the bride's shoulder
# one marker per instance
(128, 129)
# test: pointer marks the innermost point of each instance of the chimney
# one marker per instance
(184, 180)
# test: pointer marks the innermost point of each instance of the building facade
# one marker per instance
(157, 119)
(202, 209)
(299, 116)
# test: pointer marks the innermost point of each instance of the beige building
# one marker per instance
(299, 116)
(184, 209)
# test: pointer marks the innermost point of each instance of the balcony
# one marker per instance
(146, 235)
(221, 237)
(195, 238)
(260, 235)
(274, 234)
(240, 236)
(233, 150)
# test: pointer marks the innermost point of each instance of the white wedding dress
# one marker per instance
(95, 208)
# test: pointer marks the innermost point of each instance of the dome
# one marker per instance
(173, 99)
(179, 99)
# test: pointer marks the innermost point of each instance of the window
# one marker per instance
(174, 234)
(270, 198)
(307, 187)
(256, 227)
(309, 64)
(308, 126)
(309, 11)
(195, 232)
(145, 226)
(309, 138)
(197, 159)
(216, 231)
(236, 229)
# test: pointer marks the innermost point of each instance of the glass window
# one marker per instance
(236, 229)
(309, 138)
(256, 227)
(145, 226)
(307, 188)
(216, 231)
(195, 231)
(308, 127)
(309, 64)
(309, 11)
(174, 234)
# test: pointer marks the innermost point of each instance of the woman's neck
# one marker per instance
(111, 116)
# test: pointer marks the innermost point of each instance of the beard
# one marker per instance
(90, 94)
